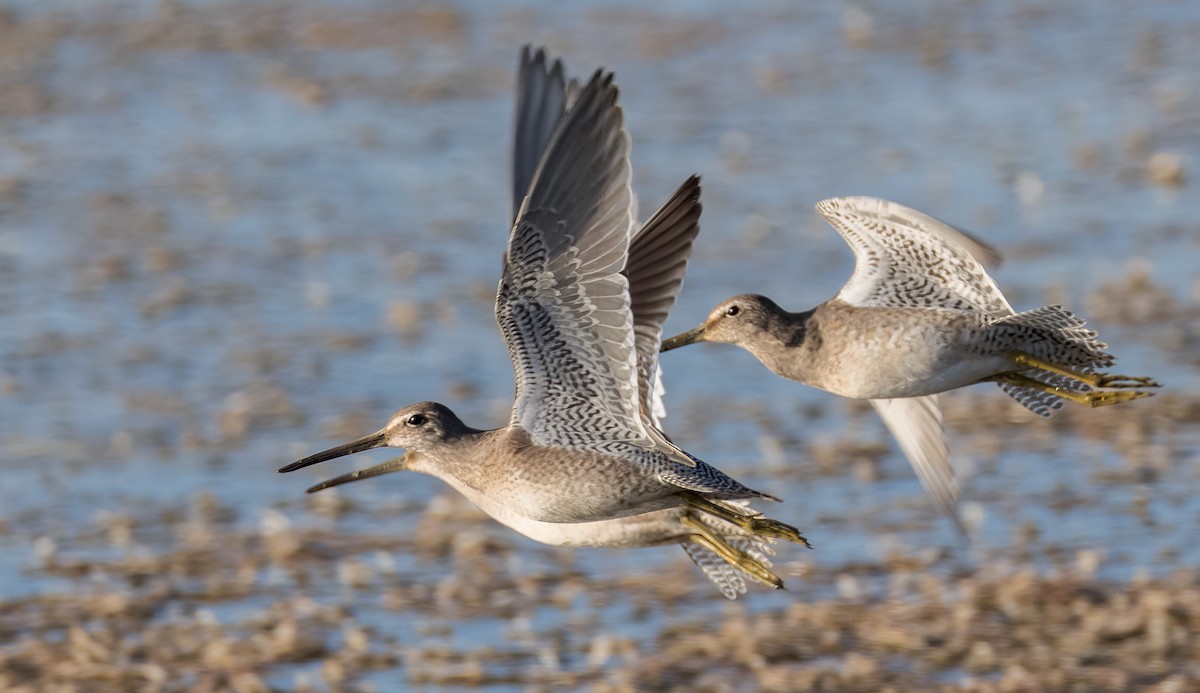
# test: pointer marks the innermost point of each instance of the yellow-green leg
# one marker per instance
(1110, 380)
(705, 537)
(757, 525)
(1094, 398)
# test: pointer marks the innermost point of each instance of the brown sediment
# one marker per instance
(895, 623)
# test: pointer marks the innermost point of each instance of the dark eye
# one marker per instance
(416, 420)
(732, 311)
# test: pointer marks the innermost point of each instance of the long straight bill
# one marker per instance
(393, 465)
(375, 440)
(689, 337)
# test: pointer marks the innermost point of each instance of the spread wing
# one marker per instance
(904, 258)
(658, 257)
(916, 423)
(543, 96)
(563, 303)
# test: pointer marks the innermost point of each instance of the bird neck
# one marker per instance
(787, 341)
(466, 462)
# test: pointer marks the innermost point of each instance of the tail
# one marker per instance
(1037, 401)
(1055, 335)
(728, 578)
(706, 479)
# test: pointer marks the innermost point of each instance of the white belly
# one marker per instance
(917, 375)
(646, 529)
(659, 527)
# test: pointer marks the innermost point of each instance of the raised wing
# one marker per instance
(904, 258)
(658, 259)
(916, 424)
(543, 96)
(563, 303)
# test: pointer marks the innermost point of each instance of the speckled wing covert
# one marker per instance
(658, 258)
(660, 250)
(563, 303)
(906, 259)
(543, 95)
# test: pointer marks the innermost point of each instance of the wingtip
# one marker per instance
(601, 89)
(538, 58)
(687, 193)
(983, 252)
(829, 207)
(849, 202)
(531, 57)
(605, 77)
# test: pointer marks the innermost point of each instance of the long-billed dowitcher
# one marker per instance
(582, 460)
(919, 316)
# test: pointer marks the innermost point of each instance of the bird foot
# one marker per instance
(766, 527)
(757, 571)
(1112, 380)
(1097, 380)
(755, 524)
(753, 568)
(748, 564)
(1104, 398)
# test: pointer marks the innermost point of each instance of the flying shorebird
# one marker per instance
(582, 461)
(920, 316)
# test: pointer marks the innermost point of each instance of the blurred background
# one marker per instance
(235, 233)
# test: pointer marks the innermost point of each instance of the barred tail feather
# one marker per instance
(1042, 403)
(1055, 334)
(727, 578)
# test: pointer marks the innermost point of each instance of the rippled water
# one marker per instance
(212, 249)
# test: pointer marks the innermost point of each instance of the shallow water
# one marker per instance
(233, 235)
